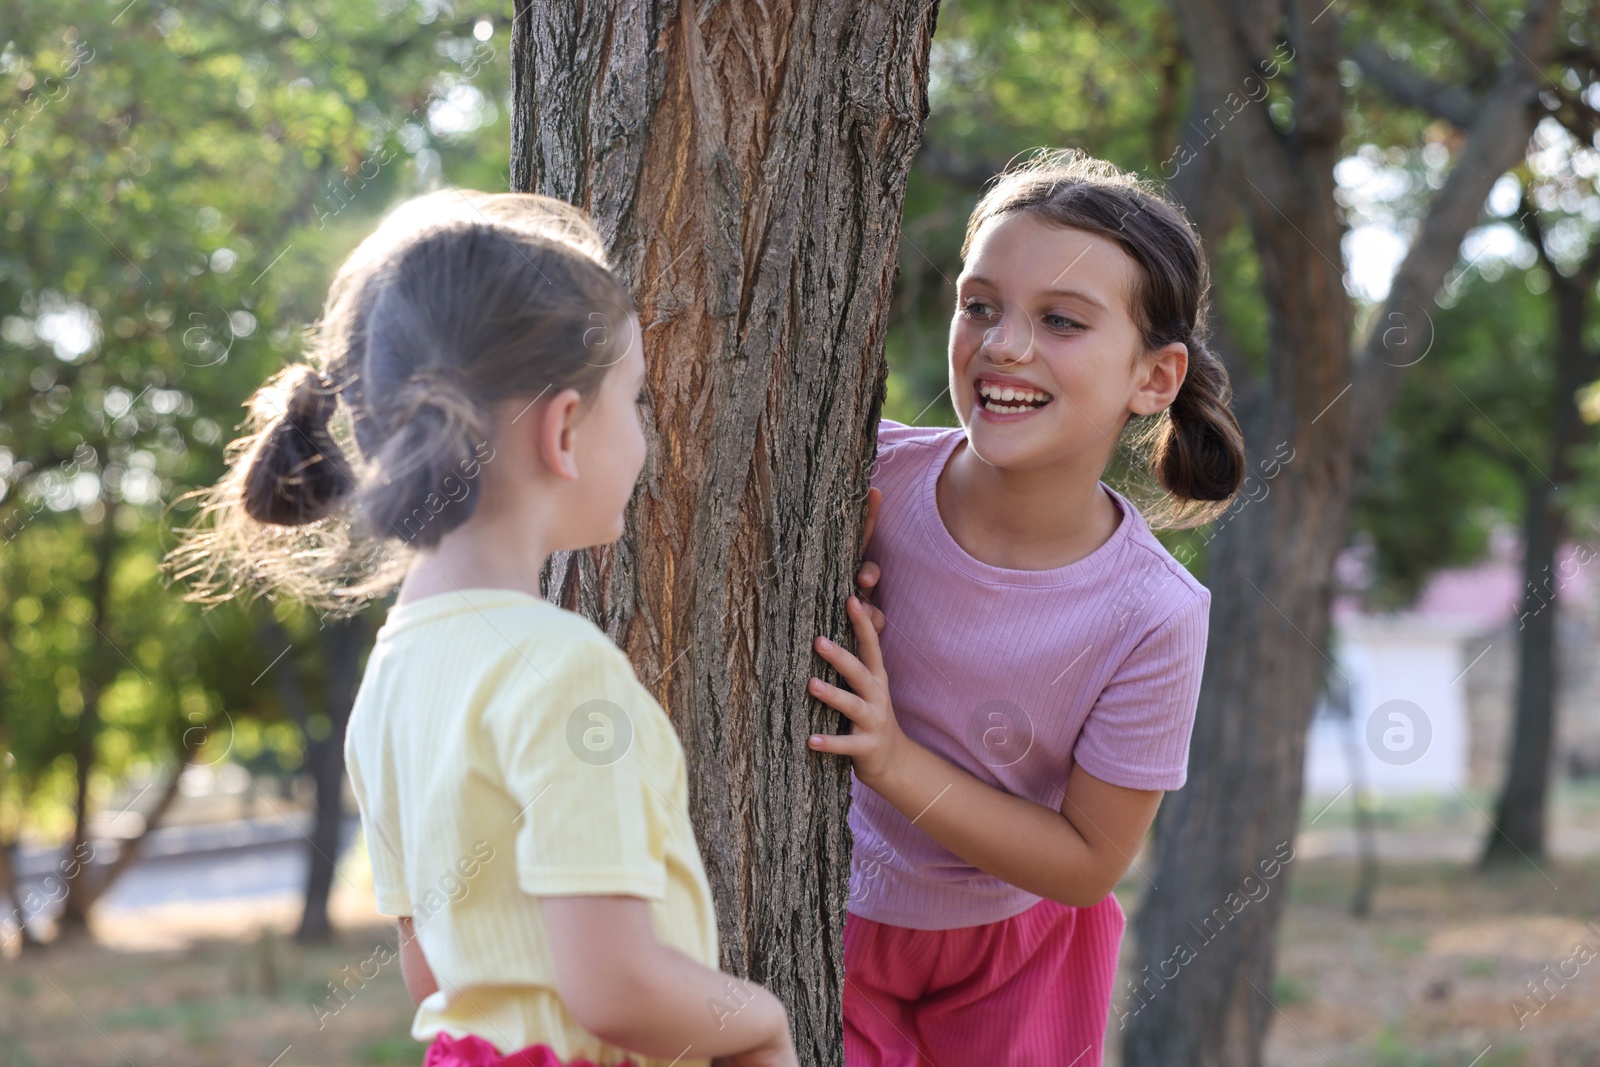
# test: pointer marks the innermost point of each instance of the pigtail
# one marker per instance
(295, 472)
(424, 476)
(1198, 453)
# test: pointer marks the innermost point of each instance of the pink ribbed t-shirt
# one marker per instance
(1014, 675)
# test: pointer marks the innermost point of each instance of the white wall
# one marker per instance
(1394, 658)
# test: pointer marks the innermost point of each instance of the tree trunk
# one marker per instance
(96, 674)
(90, 880)
(1519, 823)
(1201, 996)
(1518, 833)
(343, 641)
(11, 896)
(92, 886)
(10, 892)
(747, 170)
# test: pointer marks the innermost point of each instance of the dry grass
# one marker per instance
(1428, 980)
(1439, 974)
(209, 986)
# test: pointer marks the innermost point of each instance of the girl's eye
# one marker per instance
(1061, 322)
(975, 309)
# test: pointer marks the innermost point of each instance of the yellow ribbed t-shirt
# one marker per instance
(502, 749)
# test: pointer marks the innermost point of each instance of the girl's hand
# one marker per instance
(875, 742)
(867, 576)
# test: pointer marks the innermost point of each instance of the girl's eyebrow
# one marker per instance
(973, 279)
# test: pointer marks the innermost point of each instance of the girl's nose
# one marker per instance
(999, 343)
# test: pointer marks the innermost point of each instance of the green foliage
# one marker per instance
(179, 182)
(398, 1048)
(1451, 460)
(1288, 992)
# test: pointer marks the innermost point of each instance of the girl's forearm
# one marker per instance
(1033, 847)
(672, 1006)
(414, 968)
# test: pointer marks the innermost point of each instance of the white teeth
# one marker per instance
(1011, 392)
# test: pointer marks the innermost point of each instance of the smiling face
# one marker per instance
(1046, 361)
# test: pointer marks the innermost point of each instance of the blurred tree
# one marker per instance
(1439, 479)
(1569, 253)
(177, 181)
(1271, 565)
(1551, 365)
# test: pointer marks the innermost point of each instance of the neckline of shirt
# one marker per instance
(455, 602)
(1071, 574)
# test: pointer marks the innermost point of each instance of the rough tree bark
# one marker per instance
(747, 167)
(1202, 997)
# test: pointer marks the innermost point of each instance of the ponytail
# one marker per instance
(1197, 452)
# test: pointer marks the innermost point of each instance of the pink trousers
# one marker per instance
(473, 1051)
(1028, 991)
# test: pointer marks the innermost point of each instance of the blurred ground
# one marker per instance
(1436, 976)
(212, 984)
(1442, 972)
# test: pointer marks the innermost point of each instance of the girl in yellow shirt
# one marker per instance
(470, 407)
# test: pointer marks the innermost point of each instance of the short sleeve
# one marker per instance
(1137, 733)
(891, 435)
(388, 875)
(568, 748)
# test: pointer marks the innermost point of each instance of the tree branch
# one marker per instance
(1230, 40)
(1406, 85)
(1319, 95)
(187, 749)
(1496, 140)
(1528, 215)
(1480, 55)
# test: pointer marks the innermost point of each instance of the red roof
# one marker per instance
(1488, 593)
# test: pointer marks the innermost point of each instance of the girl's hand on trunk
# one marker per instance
(867, 577)
(875, 740)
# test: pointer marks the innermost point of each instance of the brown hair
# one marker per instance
(1195, 448)
(373, 446)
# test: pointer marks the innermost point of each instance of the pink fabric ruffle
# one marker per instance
(471, 1050)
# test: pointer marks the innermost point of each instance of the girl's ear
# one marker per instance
(1160, 376)
(555, 437)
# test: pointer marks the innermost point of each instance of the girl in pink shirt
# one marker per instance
(1031, 697)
